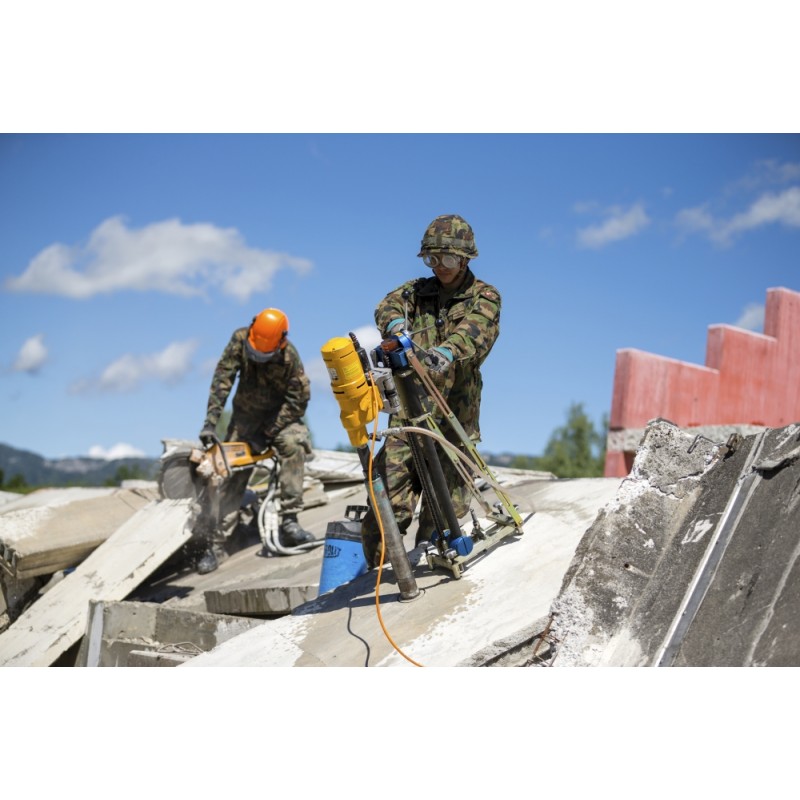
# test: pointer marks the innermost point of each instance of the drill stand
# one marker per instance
(484, 539)
(450, 548)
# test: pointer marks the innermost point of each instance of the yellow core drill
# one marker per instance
(358, 398)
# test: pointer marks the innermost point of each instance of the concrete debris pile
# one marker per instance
(695, 562)
(53, 530)
(690, 560)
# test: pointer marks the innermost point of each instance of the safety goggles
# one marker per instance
(445, 261)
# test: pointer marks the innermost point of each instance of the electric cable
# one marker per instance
(373, 440)
(268, 525)
(446, 443)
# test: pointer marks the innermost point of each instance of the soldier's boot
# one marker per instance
(213, 556)
(291, 534)
(208, 562)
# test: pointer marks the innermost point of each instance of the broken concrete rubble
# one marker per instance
(42, 537)
(694, 563)
(57, 621)
(117, 630)
(52, 530)
(690, 560)
(453, 622)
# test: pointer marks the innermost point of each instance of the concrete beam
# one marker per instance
(270, 599)
(58, 619)
(695, 563)
(53, 530)
(117, 630)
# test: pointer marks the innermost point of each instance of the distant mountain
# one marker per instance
(38, 471)
(498, 459)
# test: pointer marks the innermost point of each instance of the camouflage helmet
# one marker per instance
(449, 233)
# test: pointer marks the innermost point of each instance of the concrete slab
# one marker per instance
(57, 496)
(186, 589)
(8, 497)
(264, 598)
(58, 619)
(55, 529)
(453, 621)
(116, 630)
(695, 563)
(334, 466)
(749, 615)
(149, 658)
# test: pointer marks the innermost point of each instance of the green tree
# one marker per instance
(576, 449)
(17, 483)
(525, 462)
(126, 473)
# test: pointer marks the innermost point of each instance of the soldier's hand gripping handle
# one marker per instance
(208, 437)
(438, 359)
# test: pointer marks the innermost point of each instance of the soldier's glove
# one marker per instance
(438, 359)
(395, 326)
(269, 440)
(208, 436)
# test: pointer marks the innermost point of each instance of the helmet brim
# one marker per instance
(454, 250)
(257, 356)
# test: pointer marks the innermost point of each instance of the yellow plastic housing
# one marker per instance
(359, 400)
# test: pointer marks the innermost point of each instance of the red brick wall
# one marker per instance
(748, 379)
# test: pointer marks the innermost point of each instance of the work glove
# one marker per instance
(208, 436)
(395, 327)
(269, 440)
(438, 359)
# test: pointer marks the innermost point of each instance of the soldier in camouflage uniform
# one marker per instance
(268, 408)
(454, 320)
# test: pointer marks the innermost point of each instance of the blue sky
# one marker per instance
(126, 261)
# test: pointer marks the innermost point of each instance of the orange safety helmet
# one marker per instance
(267, 335)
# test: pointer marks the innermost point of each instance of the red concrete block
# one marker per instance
(648, 386)
(748, 379)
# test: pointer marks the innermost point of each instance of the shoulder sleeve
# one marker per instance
(394, 306)
(298, 393)
(477, 332)
(227, 369)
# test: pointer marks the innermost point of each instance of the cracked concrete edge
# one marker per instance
(510, 651)
(628, 439)
(665, 478)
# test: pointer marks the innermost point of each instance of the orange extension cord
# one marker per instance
(373, 439)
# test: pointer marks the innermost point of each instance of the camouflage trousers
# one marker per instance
(292, 445)
(395, 464)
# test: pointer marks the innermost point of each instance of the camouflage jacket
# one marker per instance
(276, 392)
(468, 325)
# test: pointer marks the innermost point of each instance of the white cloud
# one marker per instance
(772, 206)
(768, 209)
(783, 208)
(32, 355)
(768, 172)
(752, 318)
(368, 337)
(692, 220)
(779, 173)
(128, 372)
(121, 450)
(621, 224)
(166, 256)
